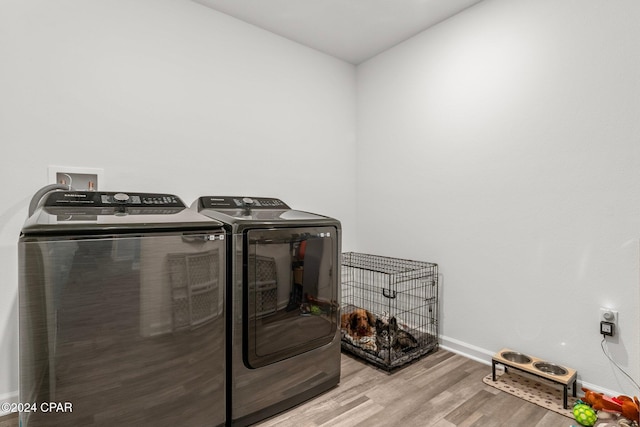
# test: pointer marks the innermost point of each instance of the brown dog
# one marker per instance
(358, 323)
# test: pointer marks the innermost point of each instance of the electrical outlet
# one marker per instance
(80, 179)
(607, 328)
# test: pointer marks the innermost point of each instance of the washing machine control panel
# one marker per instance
(99, 199)
(241, 202)
(141, 200)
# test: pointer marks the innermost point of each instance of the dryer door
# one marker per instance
(291, 283)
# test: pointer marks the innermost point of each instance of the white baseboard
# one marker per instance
(468, 350)
(484, 356)
(11, 397)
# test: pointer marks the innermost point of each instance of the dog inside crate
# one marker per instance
(381, 335)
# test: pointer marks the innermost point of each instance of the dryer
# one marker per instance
(283, 326)
(122, 316)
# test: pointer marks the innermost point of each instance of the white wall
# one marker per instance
(504, 144)
(166, 96)
(504, 141)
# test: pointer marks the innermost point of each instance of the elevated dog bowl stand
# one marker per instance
(537, 367)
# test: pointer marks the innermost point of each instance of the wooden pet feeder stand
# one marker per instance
(538, 367)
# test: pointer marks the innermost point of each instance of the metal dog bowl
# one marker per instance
(550, 368)
(515, 357)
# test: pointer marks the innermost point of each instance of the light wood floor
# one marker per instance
(440, 390)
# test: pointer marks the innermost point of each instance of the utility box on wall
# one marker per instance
(80, 179)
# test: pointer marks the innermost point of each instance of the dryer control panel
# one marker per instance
(101, 199)
(241, 202)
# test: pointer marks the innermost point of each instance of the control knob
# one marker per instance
(121, 197)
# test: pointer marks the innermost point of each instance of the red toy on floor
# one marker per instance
(624, 405)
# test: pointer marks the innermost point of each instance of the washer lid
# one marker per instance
(261, 209)
(67, 211)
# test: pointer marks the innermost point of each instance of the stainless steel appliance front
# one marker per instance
(123, 321)
(284, 334)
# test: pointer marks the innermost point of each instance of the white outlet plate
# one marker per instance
(604, 311)
(78, 178)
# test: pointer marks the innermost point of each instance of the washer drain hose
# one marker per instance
(41, 193)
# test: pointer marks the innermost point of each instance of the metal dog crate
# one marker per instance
(402, 296)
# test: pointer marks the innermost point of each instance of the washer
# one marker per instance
(122, 315)
(284, 335)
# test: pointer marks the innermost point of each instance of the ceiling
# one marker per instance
(352, 30)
